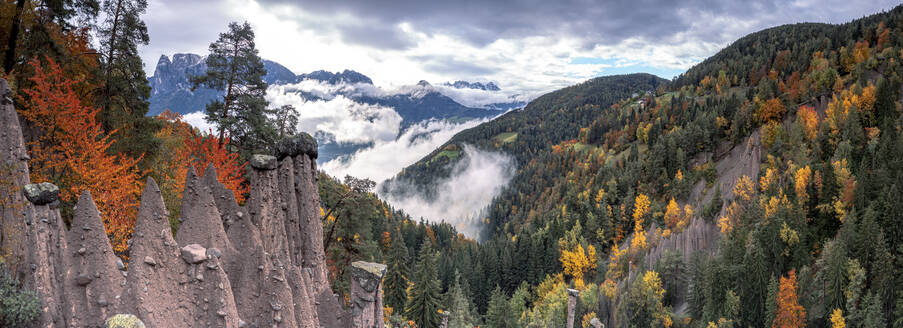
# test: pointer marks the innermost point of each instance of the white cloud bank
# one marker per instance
(197, 120)
(462, 197)
(384, 159)
(465, 194)
(345, 119)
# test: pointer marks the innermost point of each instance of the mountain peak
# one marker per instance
(186, 59)
(346, 76)
(490, 86)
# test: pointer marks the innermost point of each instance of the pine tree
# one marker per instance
(498, 315)
(234, 67)
(883, 273)
(835, 261)
(39, 27)
(873, 312)
(286, 121)
(885, 103)
(396, 282)
(853, 293)
(125, 90)
(755, 275)
(423, 300)
(460, 306)
(771, 305)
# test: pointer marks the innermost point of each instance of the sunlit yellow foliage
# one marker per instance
(599, 196)
(801, 182)
(679, 176)
(615, 257)
(609, 288)
(771, 110)
(652, 286)
(640, 208)
(866, 100)
(842, 102)
(847, 183)
(774, 203)
(768, 179)
(672, 214)
(688, 213)
(837, 320)
(789, 236)
(721, 122)
(770, 132)
(387, 312)
(639, 240)
(585, 323)
(837, 111)
(725, 222)
(576, 262)
(743, 193)
(808, 119)
(547, 286)
(653, 283)
(744, 188)
(861, 52)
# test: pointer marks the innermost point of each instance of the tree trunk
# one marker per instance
(228, 100)
(10, 57)
(106, 124)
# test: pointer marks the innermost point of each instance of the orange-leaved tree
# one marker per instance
(72, 151)
(184, 145)
(789, 313)
(205, 149)
(808, 119)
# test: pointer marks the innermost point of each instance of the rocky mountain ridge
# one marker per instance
(171, 89)
(489, 86)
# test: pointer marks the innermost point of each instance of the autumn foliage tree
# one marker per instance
(789, 314)
(771, 109)
(641, 209)
(185, 146)
(808, 119)
(72, 151)
(576, 262)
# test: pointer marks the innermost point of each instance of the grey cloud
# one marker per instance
(376, 36)
(597, 22)
(450, 65)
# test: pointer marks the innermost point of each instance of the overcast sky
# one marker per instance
(530, 46)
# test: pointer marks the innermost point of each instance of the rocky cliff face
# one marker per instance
(171, 87)
(258, 265)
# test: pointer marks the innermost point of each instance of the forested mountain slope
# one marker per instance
(810, 234)
(524, 134)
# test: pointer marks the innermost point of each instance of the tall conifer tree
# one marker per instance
(396, 282)
(423, 302)
(234, 68)
(124, 91)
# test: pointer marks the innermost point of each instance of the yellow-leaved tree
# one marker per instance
(640, 210)
(837, 320)
(801, 182)
(577, 262)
